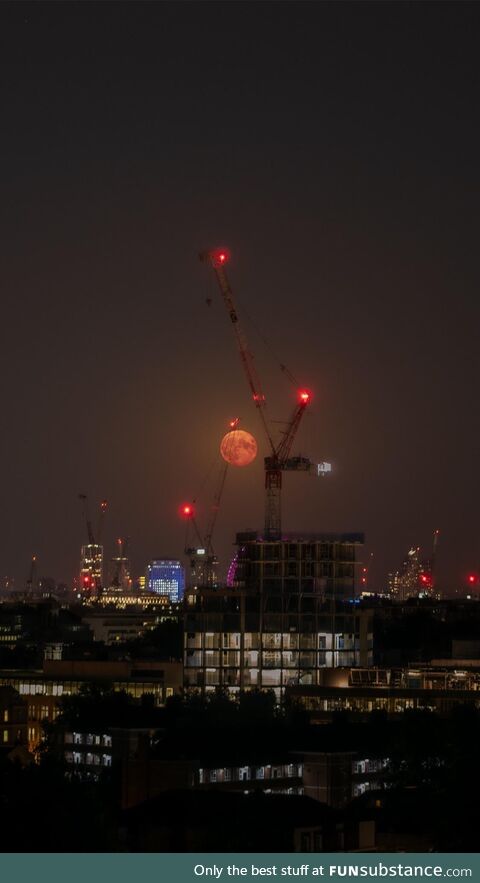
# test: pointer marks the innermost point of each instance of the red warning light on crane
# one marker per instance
(472, 578)
(303, 396)
(186, 510)
(219, 257)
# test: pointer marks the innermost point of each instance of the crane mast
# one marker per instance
(31, 574)
(279, 459)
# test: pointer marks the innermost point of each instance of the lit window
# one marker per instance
(5, 716)
(5, 735)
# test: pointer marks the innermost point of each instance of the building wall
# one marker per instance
(13, 718)
(317, 564)
(242, 641)
(43, 690)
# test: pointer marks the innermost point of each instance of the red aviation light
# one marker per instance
(303, 396)
(186, 511)
(472, 578)
(220, 257)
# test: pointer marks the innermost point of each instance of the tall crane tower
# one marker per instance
(121, 577)
(279, 459)
(32, 573)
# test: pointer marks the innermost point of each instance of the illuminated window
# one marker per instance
(5, 716)
(5, 735)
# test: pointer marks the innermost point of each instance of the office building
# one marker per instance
(413, 579)
(91, 569)
(166, 576)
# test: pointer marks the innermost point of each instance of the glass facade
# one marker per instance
(166, 576)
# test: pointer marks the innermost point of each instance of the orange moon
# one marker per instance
(238, 448)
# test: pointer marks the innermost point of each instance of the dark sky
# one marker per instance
(334, 148)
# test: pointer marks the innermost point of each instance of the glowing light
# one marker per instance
(219, 257)
(472, 578)
(303, 396)
(186, 511)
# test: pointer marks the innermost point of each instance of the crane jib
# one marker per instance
(280, 459)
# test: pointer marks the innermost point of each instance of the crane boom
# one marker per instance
(31, 574)
(86, 515)
(217, 260)
(279, 459)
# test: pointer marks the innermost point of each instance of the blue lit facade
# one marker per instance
(166, 576)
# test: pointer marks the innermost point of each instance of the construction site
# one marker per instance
(287, 611)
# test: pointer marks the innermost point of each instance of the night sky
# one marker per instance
(334, 148)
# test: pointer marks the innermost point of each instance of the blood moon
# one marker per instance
(238, 448)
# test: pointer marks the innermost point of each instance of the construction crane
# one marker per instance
(433, 566)
(203, 559)
(91, 573)
(120, 574)
(279, 459)
(32, 574)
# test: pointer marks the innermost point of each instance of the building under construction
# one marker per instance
(289, 614)
(290, 610)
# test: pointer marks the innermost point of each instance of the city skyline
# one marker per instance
(335, 155)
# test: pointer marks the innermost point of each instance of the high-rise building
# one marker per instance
(413, 579)
(166, 576)
(289, 613)
(91, 569)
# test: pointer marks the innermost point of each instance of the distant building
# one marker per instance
(91, 569)
(166, 576)
(120, 580)
(413, 579)
(41, 691)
